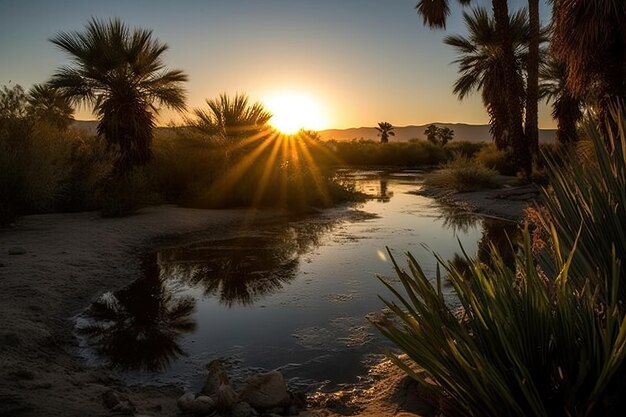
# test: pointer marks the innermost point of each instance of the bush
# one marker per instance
(462, 175)
(587, 202)
(493, 158)
(32, 171)
(526, 345)
(123, 194)
(369, 153)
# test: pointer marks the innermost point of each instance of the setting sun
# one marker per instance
(294, 111)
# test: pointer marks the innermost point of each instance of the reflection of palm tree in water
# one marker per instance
(498, 234)
(137, 327)
(384, 195)
(245, 269)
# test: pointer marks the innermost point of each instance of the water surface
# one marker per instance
(292, 295)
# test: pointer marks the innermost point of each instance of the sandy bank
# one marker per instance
(507, 203)
(52, 266)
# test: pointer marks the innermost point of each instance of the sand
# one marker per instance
(51, 268)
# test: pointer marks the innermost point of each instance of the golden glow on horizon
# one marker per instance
(292, 111)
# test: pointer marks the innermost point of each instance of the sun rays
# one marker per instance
(281, 170)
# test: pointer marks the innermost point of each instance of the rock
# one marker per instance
(216, 378)
(243, 409)
(265, 391)
(16, 251)
(189, 403)
(185, 400)
(225, 398)
(118, 403)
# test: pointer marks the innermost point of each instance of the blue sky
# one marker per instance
(365, 60)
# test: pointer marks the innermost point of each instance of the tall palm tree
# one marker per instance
(481, 65)
(513, 88)
(565, 106)
(589, 37)
(531, 126)
(47, 104)
(385, 129)
(435, 12)
(120, 72)
(231, 120)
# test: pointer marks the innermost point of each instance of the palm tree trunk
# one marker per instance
(513, 88)
(532, 88)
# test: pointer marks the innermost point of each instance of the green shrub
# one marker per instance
(502, 161)
(32, 171)
(587, 201)
(462, 175)
(369, 153)
(526, 345)
(124, 194)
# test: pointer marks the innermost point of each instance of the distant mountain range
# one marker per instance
(462, 132)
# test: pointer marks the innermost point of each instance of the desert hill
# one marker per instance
(462, 132)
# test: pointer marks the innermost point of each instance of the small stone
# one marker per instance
(118, 403)
(189, 403)
(265, 391)
(216, 378)
(243, 409)
(17, 251)
(185, 401)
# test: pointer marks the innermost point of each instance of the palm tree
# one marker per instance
(47, 104)
(121, 73)
(445, 135)
(385, 129)
(232, 120)
(590, 39)
(481, 65)
(565, 107)
(531, 127)
(435, 12)
(432, 134)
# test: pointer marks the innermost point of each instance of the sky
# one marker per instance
(362, 61)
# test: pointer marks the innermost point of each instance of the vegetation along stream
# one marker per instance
(292, 296)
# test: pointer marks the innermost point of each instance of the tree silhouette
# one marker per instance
(481, 65)
(432, 134)
(385, 129)
(589, 38)
(435, 13)
(439, 135)
(121, 73)
(230, 120)
(47, 104)
(566, 108)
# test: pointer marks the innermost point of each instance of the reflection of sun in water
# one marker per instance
(294, 111)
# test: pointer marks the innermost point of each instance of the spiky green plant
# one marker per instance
(543, 337)
(527, 344)
(589, 197)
